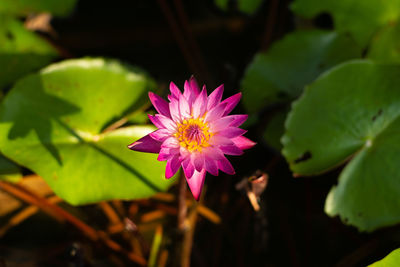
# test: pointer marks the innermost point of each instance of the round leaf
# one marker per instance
(351, 112)
(51, 122)
(281, 73)
(246, 6)
(360, 18)
(26, 7)
(385, 47)
(391, 260)
(275, 129)
(222, 4)
(21, 51)
(249, 6)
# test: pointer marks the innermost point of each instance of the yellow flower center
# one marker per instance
(193, 134)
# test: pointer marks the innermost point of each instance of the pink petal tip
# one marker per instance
(196, 183)
(146, 144)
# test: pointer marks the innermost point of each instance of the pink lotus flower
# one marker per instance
(195, 131)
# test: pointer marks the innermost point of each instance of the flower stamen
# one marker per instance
(193, 134)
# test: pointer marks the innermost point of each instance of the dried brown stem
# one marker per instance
(179, 37)
(162, 262)
(270, 24)
(110, 213)
(24, 195)
(31, 198)
(117, 247)
(119, 207)
(191, 40)
(24, 215)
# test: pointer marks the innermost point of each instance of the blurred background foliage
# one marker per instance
(320, 81)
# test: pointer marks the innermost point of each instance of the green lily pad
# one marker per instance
(26, 7)
(222, 4)
(275, 130)
(351, 113)
(138, 118)
(21, 51)
(385, 46)
(280, 74)
(246, 6)
(360, 18)
(391, 260)
(249, 6)
(51, 122)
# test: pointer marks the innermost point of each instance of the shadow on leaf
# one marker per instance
(31, 108)
(36, 110)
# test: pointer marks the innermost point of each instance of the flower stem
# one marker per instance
(30, 197)
(182, 206)
(184, 250)
(187, 242)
